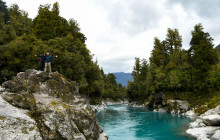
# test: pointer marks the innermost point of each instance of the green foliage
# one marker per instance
(192, 75)
(4, 15)
(158, 55)
(21, 38)
(49, 24)
(19, 20)
(173, 40)
(137, 89)
(202, 57)
(112, 90)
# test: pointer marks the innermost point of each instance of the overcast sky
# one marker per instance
(117, 31)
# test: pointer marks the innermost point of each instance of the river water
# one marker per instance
(121, 122)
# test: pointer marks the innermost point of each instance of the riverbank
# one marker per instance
(133, 123)
(206, 126)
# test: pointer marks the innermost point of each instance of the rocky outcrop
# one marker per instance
(177, 106)
(38, 105)
(207, 126)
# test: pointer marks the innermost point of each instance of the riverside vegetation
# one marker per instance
(175, 73)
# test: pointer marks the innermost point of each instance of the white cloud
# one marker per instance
(119, 31)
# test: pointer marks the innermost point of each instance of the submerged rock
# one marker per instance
(38, 105)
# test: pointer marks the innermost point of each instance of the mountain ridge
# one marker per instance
(123, 78)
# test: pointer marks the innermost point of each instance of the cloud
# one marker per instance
(204, 8)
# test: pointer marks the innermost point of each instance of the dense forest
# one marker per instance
(192, 74)
(21, 38)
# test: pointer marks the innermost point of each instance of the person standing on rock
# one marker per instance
(48, 62)
(42, 60)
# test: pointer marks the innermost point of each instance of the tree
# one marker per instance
(111, 79)
(143, 70)
(173, 40)
(4, 14)
(19, 20)
(75, 30)
(136, 69)
(43, 25)
(202, 57)
(158, 56)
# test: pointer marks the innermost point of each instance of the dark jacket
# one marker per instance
(42, 58)
(48, 58)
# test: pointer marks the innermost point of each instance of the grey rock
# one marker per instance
(38, 105)
(211, 120)
(216, 136)
(207, 126)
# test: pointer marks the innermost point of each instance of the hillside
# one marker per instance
(123, 78)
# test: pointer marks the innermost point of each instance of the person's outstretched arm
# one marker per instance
(38, 55)
(54, 56)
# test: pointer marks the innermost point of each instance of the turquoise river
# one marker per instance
(121, 122)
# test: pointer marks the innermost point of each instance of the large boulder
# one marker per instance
(211, 120)
(39, 105)
(212, 117)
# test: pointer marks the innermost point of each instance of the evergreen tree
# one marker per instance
(4, 14)
(202, 57)
(158, 55)
(136, 70)
(19, 20)
(43, 23)
(173, 40)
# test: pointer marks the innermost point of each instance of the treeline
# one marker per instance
(21, 38)
(176, 72)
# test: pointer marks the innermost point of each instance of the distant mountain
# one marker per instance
(218, 48)
(123, 78)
